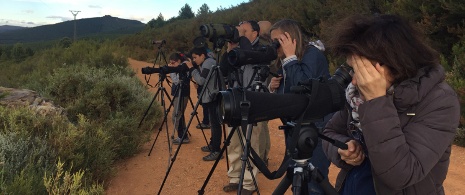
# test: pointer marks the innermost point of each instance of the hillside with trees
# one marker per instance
(106, 26)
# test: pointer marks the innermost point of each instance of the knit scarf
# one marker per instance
(355, 99)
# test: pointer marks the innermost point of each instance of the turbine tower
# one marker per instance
(75, 13)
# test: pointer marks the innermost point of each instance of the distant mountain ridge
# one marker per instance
(100, 26)
(5, 28)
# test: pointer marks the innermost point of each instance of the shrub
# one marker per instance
(61, 183)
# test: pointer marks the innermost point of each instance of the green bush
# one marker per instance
(63, 182)
(104, 103)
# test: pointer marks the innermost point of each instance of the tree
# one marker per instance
(186, 12)
(156, 23)
(18, 53)
(65, 42)
(203, 10)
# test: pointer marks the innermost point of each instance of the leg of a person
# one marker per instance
(264, 140)
(235, 152)
(182, 122)
(206, 118)
(248, 180)
(176, 115)
(216, 131)
(234, 156)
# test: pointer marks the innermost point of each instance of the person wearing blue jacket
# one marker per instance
(298, 60)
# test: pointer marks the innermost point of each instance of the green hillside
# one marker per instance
(89, 27)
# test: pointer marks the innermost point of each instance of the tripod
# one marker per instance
(160, 56)
(256, 84)
(213, 73)
(179, 97)
(300, 171)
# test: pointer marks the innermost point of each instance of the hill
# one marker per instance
(89, 27)
(5, 28)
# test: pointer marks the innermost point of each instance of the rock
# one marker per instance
(10, 97)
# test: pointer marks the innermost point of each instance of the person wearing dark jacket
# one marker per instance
(299, 61)
(401, 116)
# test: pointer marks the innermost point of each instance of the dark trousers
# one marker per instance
(206, 119)
(215, 126)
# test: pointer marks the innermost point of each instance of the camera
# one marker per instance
(314, 98)
(182, 68)
(158, 42)
(262, 55)
(220, 31)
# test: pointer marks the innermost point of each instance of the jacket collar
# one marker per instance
(413, 90)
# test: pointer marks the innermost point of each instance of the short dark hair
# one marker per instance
(199, 51)
(253, 24)
(388, 39)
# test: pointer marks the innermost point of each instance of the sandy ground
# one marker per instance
(144, 174)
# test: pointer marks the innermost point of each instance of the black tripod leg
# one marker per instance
(297, 183)
(283, 185)
(194, 112)
(322, 181)
(148, 108)
(214, 68)
(165, 118)
(247, 160)
(227, 141)
(224, 138)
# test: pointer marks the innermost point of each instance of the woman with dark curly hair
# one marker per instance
(402, 116)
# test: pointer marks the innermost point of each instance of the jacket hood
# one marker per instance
(413, 90)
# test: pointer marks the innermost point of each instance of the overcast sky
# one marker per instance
(30, 13)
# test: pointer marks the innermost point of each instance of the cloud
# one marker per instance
(95, 6)
(28, 11)
(62, 18)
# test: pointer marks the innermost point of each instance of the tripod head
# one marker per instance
(306, 141)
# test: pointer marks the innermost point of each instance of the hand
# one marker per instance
(275, 82)
(288, 44)
(196, 85)
(231, 46)
(354, 154)
(370, 77)
(188, 62)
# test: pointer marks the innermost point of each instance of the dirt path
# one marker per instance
(143, 174)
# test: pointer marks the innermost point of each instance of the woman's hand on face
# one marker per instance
(353, 155)
(288, 44)
(370, 78)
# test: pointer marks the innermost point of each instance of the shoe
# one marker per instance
(206, 148)
(178, 140)
(247, 192)
(202, 126)
(212, 156)
(231, 187)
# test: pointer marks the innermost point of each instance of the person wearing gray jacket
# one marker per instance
(401, 116)
(208, 98)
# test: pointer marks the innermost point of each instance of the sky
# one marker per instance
(31, 13)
